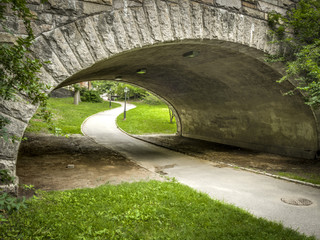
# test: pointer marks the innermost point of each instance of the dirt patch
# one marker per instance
(221, 154)
(58, 163)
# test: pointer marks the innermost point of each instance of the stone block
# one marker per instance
(62, 49)
(287, 3)
(20, 109)
(197, 20)
(267, 7)
(91, 8)
(103, 26)
(60, 20)
(274, 2)
(186, 21)
(55, 68)
(142, 26)
(108, 2)
(39, 28)
(229, 3)
(249, 5)
(63, 4)
(210, 2)
(9, 149)
(8, 165)
(250, 1)
(176, 21)
(47, 79)
(135, 3)
(12, 188)
(254, 12)
(89, 35)
(208, 19)
(77, 44)
(152, 17)
(128, 22)
(7, 38)
(164, 20)
(45, 18)
(118, 4)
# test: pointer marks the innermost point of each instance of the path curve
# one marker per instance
(261, 195)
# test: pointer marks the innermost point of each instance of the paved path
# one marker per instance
(259, 194)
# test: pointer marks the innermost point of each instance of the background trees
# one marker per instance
(117, 89)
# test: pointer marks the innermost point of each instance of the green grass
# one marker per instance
(67, 116)
(143, 210)
(147, 119)
(309, 177)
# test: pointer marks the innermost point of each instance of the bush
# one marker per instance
(152, 100)
(5, 177)
(90, 96)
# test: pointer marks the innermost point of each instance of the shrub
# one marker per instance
(90, 95)
(152, 100)
(5, 177)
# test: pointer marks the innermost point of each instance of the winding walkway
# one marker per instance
(260, 195)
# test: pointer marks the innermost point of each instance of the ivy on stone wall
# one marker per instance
(18, 70)
(299, 36)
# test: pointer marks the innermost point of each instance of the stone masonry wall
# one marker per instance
(56, 13)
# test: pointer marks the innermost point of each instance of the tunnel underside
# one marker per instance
(222, 94)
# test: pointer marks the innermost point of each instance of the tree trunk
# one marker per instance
(171, 115)
(76, 98)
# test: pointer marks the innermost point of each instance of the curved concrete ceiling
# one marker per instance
(226, 93)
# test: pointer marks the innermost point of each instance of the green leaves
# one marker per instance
(8, 204)
(90, 96)
(5, 177)
(18, 70)
(299, 35)
(18, 74)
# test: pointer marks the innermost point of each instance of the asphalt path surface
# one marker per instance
(259, 194)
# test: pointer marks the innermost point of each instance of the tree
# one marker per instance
(298, 34)
(18, 70)
(117, 88)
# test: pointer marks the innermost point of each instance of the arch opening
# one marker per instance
(222, 92)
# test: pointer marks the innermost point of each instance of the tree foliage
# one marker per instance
(90, 96)
(117, 88)
(298, 32)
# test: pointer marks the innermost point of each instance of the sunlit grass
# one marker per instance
(143, 210)
(67, 116)
(147, 119)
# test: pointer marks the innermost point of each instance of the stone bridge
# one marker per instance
(205, 58)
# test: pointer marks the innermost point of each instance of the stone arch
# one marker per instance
(101, 44)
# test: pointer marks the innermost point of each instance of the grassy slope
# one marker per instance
(67, 116)
(147, 119)
(144, 210)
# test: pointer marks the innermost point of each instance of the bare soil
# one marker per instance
(58, 163)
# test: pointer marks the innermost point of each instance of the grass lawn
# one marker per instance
(67, 116)
(147, 119)
(308, 177)
(143, 210)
